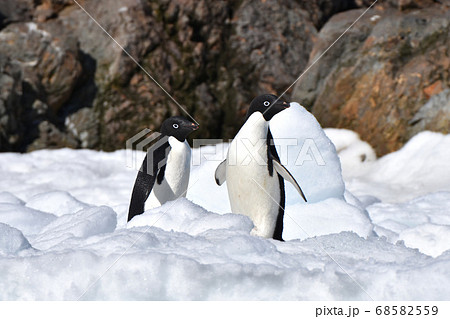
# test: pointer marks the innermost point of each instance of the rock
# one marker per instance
(50, 66)
(410, 4)
(194, 50)
(11, 131)
(83, 127)
(50, 70)
(57, 80)
(30, 10)
(433, 115)
(50, 136)
(398, 4)
(212, 57)
(14, 11)
(49, 9)
(75, 87)
(269, 48)
(381, 72)
(320, 11)
(121, 98)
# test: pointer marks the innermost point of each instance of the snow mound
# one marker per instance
(353, 153)
(431, 239)
(420, 167)
(308, 154)
(29, 221)
(420, 159)
(84, 223)
(422, 223)
(164, 265)
(56, 202)
(184, 216)
(12, 240)
(92, 177)
(311, 157)
(8, 198)
(327, 217)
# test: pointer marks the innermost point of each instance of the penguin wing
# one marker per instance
(280, 169)
(221, 173)
(274, 159)
(152, 168)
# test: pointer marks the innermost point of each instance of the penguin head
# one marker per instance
(178, 127)
(268, 105)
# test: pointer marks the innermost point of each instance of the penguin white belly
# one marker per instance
(252, 191)
(176, 177)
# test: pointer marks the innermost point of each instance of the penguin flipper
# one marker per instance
(280, 169)
(146, 177)
(221, 173)
(141, 190)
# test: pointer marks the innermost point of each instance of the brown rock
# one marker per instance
(212, 57)
(270, 44)
(50, 66)
(433, 89)
(15, 11)
(50, 8)
(320, 11)
(11, 130)
(433, 115)
(50, 136)
(376, 78)
(82, 126)
(399, 4)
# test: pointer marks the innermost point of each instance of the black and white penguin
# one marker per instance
(253, 172)
(164, 174)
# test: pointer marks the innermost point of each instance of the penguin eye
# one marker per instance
(266, 103)
(175, 126)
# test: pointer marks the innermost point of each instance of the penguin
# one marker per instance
(164, 174)
(253, 172)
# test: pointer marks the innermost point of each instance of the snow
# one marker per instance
(12, 240)
(82, 224)
(406, 193)
(419, 168)
(311, 157)
(353, 153)
(184, 216)
(28, 220)
(381, 232)
(422, 223)
(56, 202)
(308, 154)
(8, 198)
(327, 217)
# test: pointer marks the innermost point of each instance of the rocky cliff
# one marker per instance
(65, 82)
(378, 78)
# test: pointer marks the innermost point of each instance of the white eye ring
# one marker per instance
(266, 103)
(175, 125)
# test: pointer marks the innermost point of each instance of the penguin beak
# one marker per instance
(193, 126)
(282, 105)
(286, 105)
